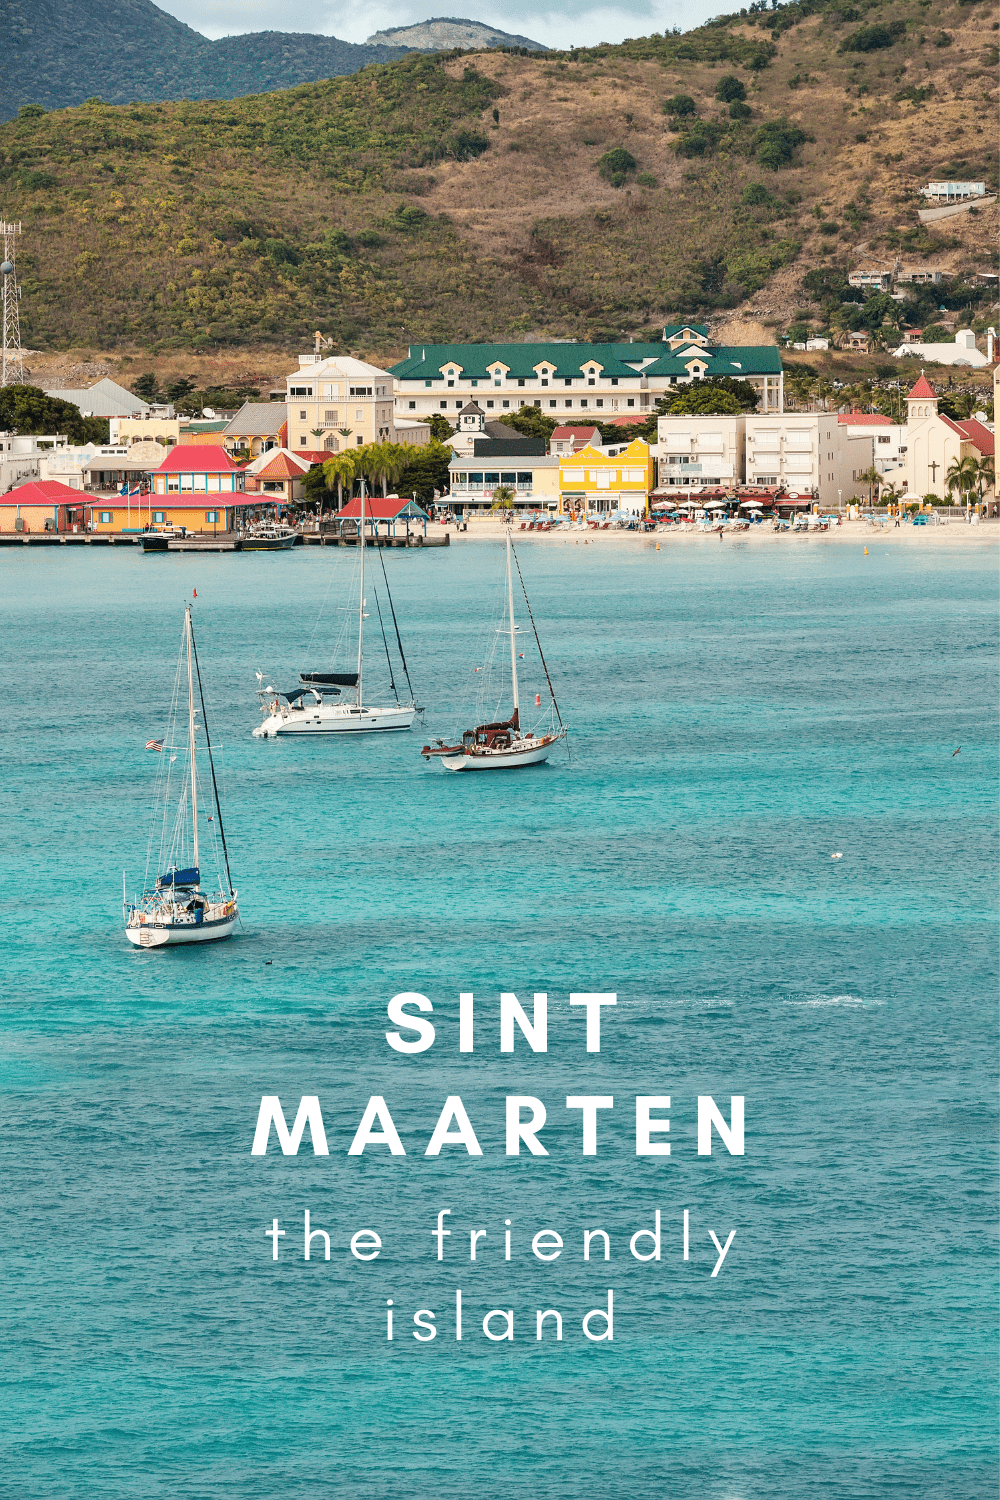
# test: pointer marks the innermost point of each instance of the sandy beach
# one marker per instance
(949, 534)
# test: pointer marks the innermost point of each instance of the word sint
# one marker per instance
(535, 1031)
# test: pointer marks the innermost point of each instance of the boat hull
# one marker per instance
(268, 544)
(169, 934)
(498, 760)
(334, 720)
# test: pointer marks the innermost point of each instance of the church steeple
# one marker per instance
(922, 401)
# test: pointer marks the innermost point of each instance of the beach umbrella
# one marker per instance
(752, 504)
(664, 505)
(715, 505)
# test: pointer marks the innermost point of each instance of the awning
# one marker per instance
(329, 679)
(178, 878)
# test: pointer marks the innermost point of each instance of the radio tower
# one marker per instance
(12, 359)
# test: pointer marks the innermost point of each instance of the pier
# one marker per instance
(202, 543)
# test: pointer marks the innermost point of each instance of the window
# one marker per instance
(428, 383)
(475, 384)
(520, 382)
(537, 403)
(443, 405)
(591, 382)
(303, 416)
(359, 414)
(489, 405)
(553, 403)
(614, 380)
(159, 516)
(105, 518)
(568, 380)
(505, 405)
(360, 441)
(497, 384)
(360, 390)
(475, 479)
(331, 419)
(600, 401)
(569, 403)
(451, 385)
(524, 480)
(300, 390)
(583, 401)
(412, 405)
(491, 478)
(630, 401)
(330, 443)
(884, 440)
(211, 516)
(173, 484)
(545, 382)
(508, 479)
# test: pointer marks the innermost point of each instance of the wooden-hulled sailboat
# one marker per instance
(308, 708)
(503, 745)
(176, 909)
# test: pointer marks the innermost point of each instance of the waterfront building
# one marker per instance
(694, 453)
(340, 403)
(258, 426)
(888, 437)
(596, 481)
(533, 479)
(38, 506)
(934, 442)
(806, 453)
(577, 381)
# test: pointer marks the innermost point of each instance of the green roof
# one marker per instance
(426, 361)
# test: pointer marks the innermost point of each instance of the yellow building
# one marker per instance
(127, 430)
(594, 482)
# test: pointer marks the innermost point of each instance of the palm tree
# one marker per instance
(961, 476)
(872, 479)
(340, 470)
(985, 475)
(503, 498)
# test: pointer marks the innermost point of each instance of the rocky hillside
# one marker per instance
(444, 33)
(61, 52)
(737, 171)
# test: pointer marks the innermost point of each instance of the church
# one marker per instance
(934, 442)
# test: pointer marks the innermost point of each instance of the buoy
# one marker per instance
(195, 594)
(836, 856)
(866, 551)
(657, 546)
(538, 699)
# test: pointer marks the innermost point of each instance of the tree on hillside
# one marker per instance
(145, 387)
(27, 410)
(713, 398)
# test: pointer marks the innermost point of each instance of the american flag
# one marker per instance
(154, 744)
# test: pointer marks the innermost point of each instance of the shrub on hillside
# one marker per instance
(681, 106)
(756, 195)
(615, 165)
(730, 88)
(874, 38)
(776, 142)
(739, 111)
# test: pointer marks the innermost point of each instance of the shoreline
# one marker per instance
(952, 532)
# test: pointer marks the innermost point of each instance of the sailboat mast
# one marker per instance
(361, 605)
(194, 778)
(513, 642)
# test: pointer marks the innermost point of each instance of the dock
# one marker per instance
(203, 543)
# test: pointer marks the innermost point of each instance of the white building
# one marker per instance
(918, 276)
(106, 398)
(807, 453)
(953, 192)
(338, 403)
(577, 382)
(875, 281)
(888, 437)
(699, 453)
(935, 442)
(962, 352)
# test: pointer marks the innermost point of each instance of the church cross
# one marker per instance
(933, 468)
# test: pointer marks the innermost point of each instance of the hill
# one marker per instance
(62, 52)
(493, 196)
(442, 33)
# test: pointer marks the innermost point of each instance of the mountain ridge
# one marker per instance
(442, 33)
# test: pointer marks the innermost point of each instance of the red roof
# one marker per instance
(978, 434)
(922, 391)
(864, 419)
(574, 432)
(281, 467)
(636, 421)
(312, 456)
(377, 508)
(197, 458)
(47, 492)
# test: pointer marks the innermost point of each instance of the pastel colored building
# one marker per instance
(198, 469)
(277, 476)
(594, 481)
(533, 478)
(340, 403)
(934, 442)
(38, 506)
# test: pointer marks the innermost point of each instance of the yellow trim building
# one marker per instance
(594, 482)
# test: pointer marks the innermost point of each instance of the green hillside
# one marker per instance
(62, 52)
(588, 194)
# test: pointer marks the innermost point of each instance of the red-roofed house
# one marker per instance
(572, 439)
(278, 477)
(40, 505)
(197, 486)
(379, 509)
(934, 442)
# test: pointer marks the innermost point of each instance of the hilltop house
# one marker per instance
(597, 381)
(106, 398)
(962, 352)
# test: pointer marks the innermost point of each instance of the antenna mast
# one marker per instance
(12, 359)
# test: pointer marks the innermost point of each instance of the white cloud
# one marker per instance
(563, 23)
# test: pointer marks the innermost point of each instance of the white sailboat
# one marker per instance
(307, 708)
(176, 909)
(503, 745)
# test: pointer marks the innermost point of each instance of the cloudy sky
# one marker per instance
(556, 23)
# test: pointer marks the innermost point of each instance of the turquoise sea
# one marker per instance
(738, 713)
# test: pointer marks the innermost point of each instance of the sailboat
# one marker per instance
(307, 709)
(502, 745)
(176, 909)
